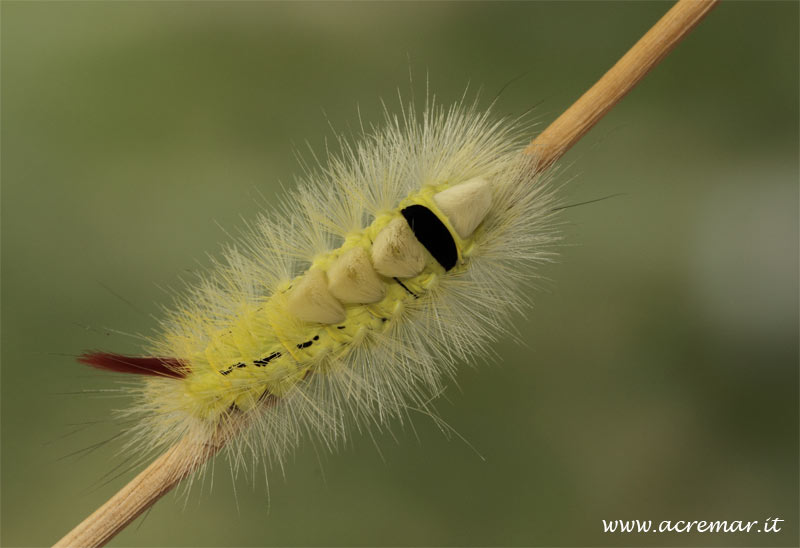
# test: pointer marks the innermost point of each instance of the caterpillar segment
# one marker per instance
(362, 286)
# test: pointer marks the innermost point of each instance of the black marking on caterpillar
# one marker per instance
(308, 343)
(232, 367)
(258, 363)
(407, 289)
(264, 361)
(433, 234)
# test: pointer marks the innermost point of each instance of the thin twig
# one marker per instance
(140, 494)
(187, 456)
(651, 48)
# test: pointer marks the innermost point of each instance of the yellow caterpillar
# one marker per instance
(402, 257)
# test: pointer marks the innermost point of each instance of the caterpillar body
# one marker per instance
(401, 257)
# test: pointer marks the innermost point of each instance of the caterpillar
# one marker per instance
(356, 298)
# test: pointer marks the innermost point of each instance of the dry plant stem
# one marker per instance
(568, 128)
(186, 457)
(157, 479)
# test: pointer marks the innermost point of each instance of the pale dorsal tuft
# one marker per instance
(311, 301)
(396, 252)
(465, 205)
(351, 278)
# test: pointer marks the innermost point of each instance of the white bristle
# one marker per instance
(396, 252)
(311, 301)
(465, 205)
(352, 279)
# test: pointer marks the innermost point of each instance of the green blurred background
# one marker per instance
(660, 376)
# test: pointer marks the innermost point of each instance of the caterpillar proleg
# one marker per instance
(402, 257)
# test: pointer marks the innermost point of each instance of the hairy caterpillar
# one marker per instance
(401, 258)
